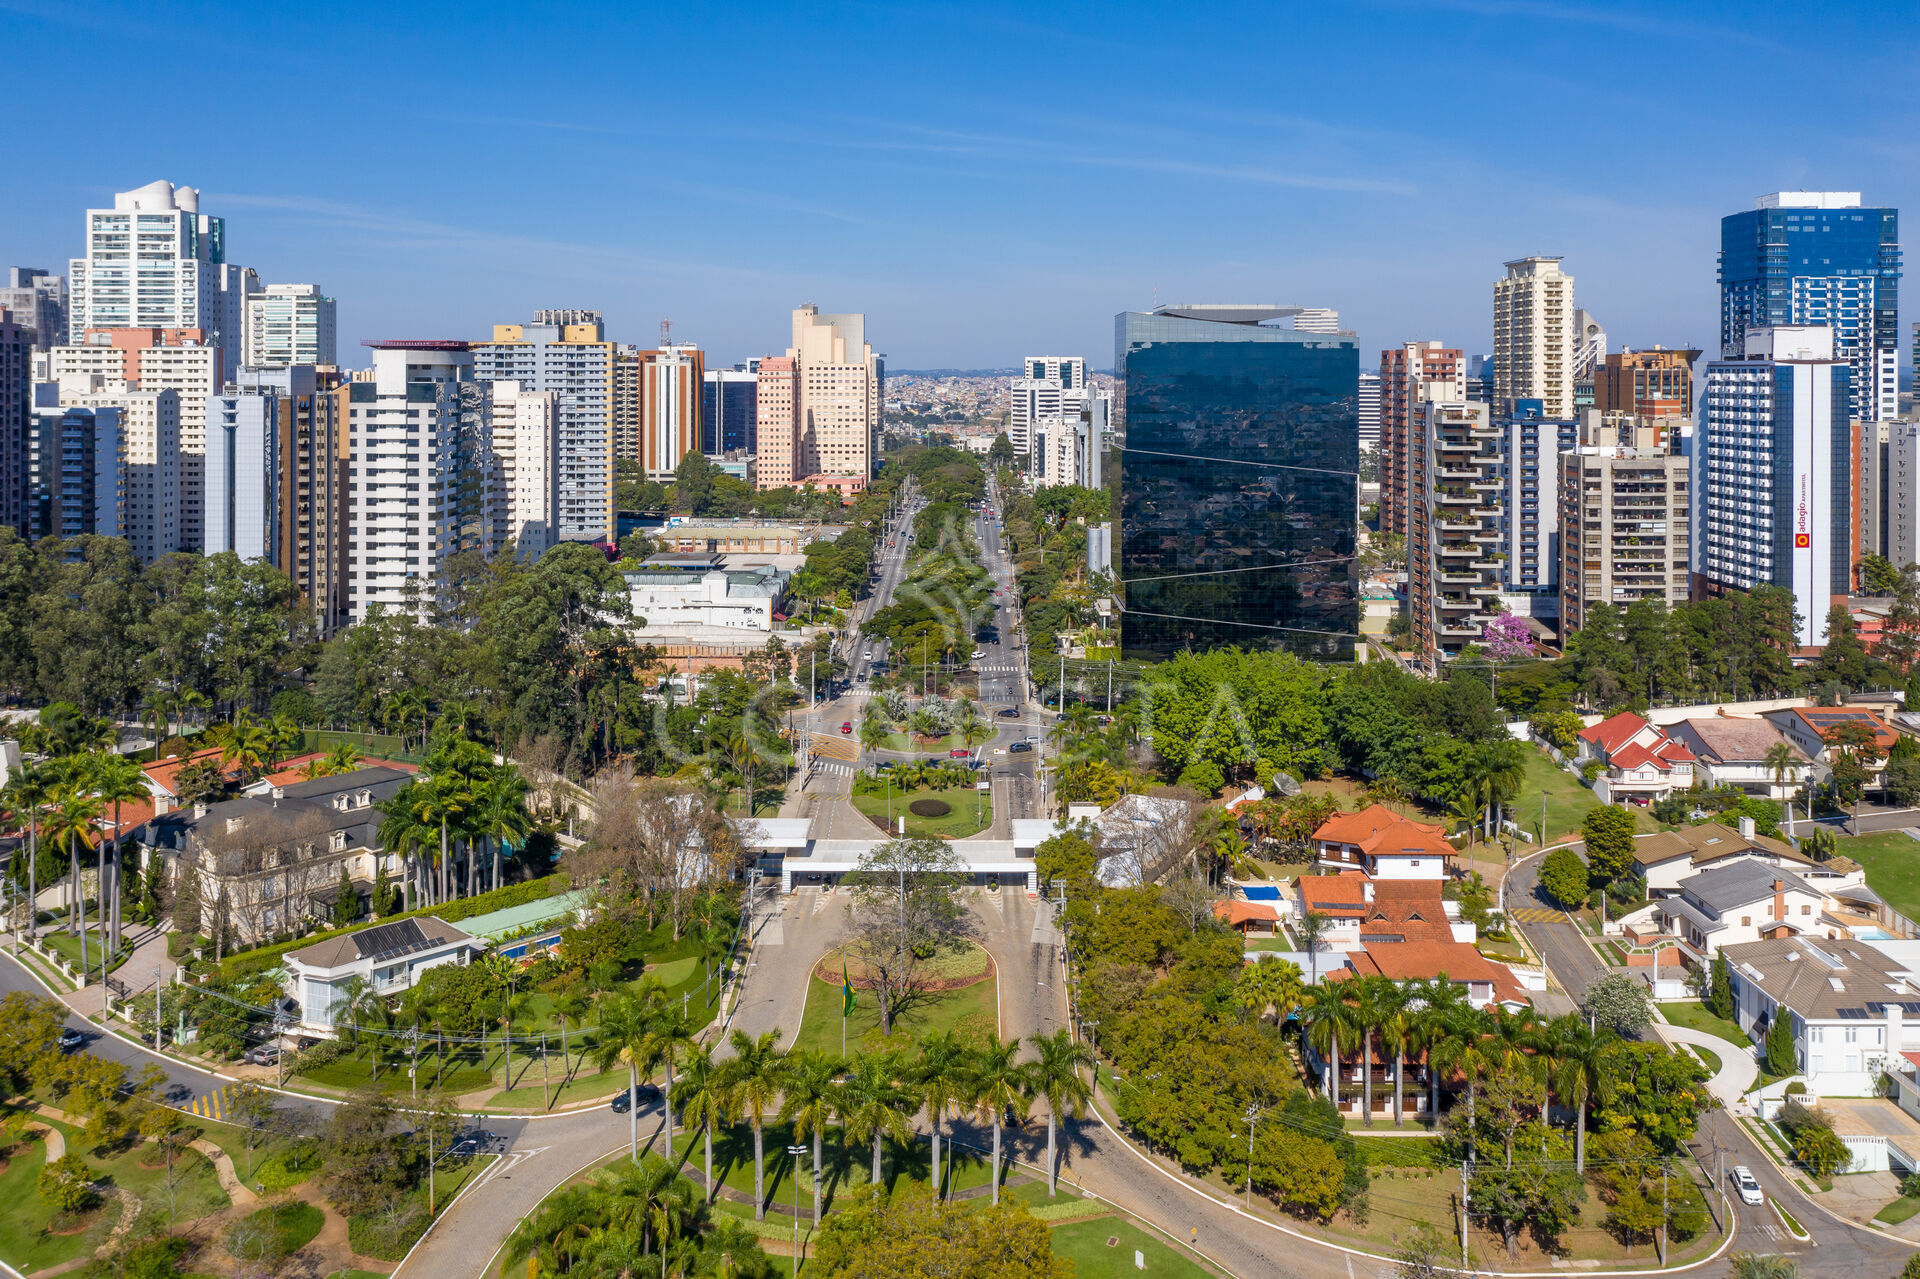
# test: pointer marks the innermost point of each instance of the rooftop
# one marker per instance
(381, 943)
(1826, 980)
(1727, 888)
(1708, 842)
(1732, 739)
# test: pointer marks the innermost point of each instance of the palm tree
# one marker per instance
(672, 1031)
(500, 812)
(752, 1083)
(29, 788)
(808, 1097)
(1270, 982)
(1582, 1058)
(874, 731)
(1328, 1017)
(404, 834)
(1374, 1000)
(248, 746)
(941, 1077)
(1504, 772)
(1055, 1075)
(70, 828)
(1396, 1020)
(283, 733)
(1753, 1265)
(1438, 1004)
(1311, 928)
(341, 759)
(698, 1090)
(1460, 1048)
(444, 800)
(554, 1236)
(117, 780)
(971, 724)
(1779, 761)
(998, 1084)
(874, 1104)
(627, 1038)
(740, 753)
(650, 1197)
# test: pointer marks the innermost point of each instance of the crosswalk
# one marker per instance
(997, 668)
(211, 1105)
(1536, 915)
(835, 768)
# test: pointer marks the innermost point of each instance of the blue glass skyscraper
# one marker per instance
(1237, 482)
(1818, 257)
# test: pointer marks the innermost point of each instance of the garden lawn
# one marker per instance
(1085, 1244)
(68, 948)
(1892, 862)
(843, 1169)
(930, 746)
(975, 1005)
(1693, 1015)
(1567, 801)
(1898, 1211)
(972, 811)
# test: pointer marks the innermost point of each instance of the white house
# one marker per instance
(1732, 750)
(1641, 761)
(1664, 860)
(1807, 728)
(389, 958)
(1733, 905)
(698, 588)
(1855, 1010)
(1383, 844)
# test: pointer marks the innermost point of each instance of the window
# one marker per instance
(1746, 921)
(339, 841)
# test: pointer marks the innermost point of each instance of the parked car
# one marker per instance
(263, 1055)
(1748, 1188)
(846, 727)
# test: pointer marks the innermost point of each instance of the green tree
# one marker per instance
(903, 1234)
(67, 1184)
(874, 1105)
(998, 1086)
(1608, 832)
(810, 1094)
(1719, 999)
(1056, 1074)
(1618, 1003)
(1753, 1265)
(1820, 1149)
(1000, 452)
(1781, 1058)
(1564, 877)
(367, 1163)
(751, 1088)
(346, 901)
(626, 1038)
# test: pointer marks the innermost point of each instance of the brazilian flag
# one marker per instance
(846, 991)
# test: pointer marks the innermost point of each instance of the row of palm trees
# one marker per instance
(61, 801)
(969, 724)
(872, 1096)
(1378, 1019)
(465, 800)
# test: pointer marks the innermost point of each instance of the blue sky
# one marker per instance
(982, 180)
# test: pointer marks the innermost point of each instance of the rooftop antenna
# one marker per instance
(666, 333)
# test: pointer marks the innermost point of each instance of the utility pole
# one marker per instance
(1663, 1212)
(1253, 1117)
(1463, 1214)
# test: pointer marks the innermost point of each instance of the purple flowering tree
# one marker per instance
(1507, 639)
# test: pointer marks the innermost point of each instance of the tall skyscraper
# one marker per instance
(1535, 343)
(671, 382)
(1454, 580)
(566, 352)
(74, 468)
(158, 360)
(304, 472)
(1069, 448)
(289, 324)
(39, 301)
(243, 473)
(150, 430)
(1773, 473)
(155, 261)
(1238, 480)
(420, 472)
(1818, 257)
(729, 411)
(526, 439)
(1531, 445)
(1370, 412)
(1625, 533)
(828, 424)
(1069, 371)
(1410, 375)
(16, 412)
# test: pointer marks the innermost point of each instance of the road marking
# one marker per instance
(1536, 915)
(211, 1105)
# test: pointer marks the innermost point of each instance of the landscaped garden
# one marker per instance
(1892, 863)
(937, 800)
(1693, 1015)
(969, 1003)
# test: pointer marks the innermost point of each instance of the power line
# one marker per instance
(1258, 626)
(1257, 568)
(1234, 461)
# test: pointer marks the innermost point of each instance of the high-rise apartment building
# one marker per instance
(1410, 375)
(1454, 575)
(157, 360)
(526, 440)
(1032, 400)
(38, 300)
(1535, 343)
(302, 470)
(287, 324)
(626, 402)
(1895, 514)
(16, 412)
(150, 437)
(672, 380)
(1532, 445)
(420, 472)
(1069, 449)
(243, 473)
(729, 410)
(566, 352)
(1817, 257)
(1238, 481)
(1657, 382)
(1068, 371)
(1369, 412)
(828, 424)
(1774, 473)
(1624, 499)
(74, 467)
(155, 261)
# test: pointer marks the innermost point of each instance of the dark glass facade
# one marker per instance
(1211, 410)
(729, 404)
(1838, 267)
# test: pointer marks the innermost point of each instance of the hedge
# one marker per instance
(249, 962)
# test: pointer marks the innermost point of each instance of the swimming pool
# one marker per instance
(1872, 934)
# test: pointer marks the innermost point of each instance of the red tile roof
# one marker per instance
(1663, 755)
(1378, 829)
(1410, 960)
(1238, 912)
(167, 771)
(1613, 732)
(1342, 895)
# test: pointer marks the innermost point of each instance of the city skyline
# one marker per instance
(925, 200)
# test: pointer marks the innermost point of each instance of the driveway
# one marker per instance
(1738, 1069)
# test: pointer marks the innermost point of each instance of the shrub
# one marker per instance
(929, 808)
(67, 1184)
(1796, 1089)
(274, 1233)
(387, 1234)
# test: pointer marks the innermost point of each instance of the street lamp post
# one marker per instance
(1253, 1117)
(796, 1152)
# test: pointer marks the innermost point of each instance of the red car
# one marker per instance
(846, 726)
(959, 753)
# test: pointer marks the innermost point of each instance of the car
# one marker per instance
(623, 1100)
(263, 1055)
(1746, 1186)
(959, 752)
(977, 654)
(1012, 712)
(1018, 747)
(1033, 739)
(846, 727)
(71, 1039)
(464, 1146)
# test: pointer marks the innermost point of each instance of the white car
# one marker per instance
(1748, 1188)
(978, 653)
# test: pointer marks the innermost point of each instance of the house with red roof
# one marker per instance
(1640, 762)
(1384, 845)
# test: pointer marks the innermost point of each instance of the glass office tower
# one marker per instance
(1236, 482)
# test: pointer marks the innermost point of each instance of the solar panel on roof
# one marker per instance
(390, 941)
(1851, 1014)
